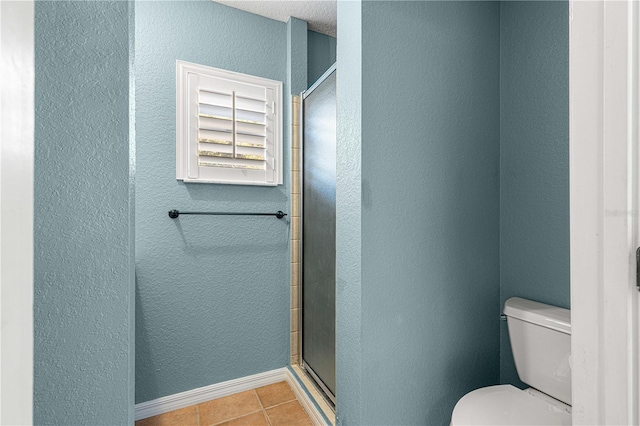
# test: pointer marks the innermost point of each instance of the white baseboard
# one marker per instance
(304, 399)
(207, 393)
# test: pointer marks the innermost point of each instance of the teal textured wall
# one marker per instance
(322, 54)
(534, 158)
(83, 235)
(296, 56)
(426, 260)
(349, 231)
(212, 292)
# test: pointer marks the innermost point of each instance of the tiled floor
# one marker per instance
(273, 405)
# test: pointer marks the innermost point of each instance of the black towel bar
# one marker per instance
(173, 214)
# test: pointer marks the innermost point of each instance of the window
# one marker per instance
(229, 127)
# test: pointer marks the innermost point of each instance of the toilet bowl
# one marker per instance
(508, 405)
(541, 344)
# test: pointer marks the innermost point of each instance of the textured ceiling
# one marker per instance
(320, 14)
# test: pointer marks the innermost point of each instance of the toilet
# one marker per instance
(541, 343)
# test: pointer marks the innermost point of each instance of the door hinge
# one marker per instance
(638, 268)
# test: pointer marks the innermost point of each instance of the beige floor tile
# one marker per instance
(255, 419)
(183, 417)
(275, 394)
(289, 414)
(229, 407)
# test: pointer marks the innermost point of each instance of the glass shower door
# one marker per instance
(319, 232)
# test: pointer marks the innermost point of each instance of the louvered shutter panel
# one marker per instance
(233, 130)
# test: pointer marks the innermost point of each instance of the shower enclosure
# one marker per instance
(319, 232)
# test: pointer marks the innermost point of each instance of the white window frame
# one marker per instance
(183, 71)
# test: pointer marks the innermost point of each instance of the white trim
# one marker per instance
(634, 165)
(305, 399)
(16, 216)
(603, 115)
(207, 393)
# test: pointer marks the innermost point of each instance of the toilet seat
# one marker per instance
(507, 405)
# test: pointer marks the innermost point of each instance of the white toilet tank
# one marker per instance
(541, 344)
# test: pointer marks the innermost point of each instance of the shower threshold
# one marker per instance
(321, 399)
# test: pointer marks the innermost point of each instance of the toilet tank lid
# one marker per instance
(552, 317)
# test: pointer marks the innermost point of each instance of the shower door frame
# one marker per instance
(305, 367)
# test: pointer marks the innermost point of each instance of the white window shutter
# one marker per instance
(229, 127)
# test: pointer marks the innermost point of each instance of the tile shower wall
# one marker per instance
(212, 293)
(296, 223)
